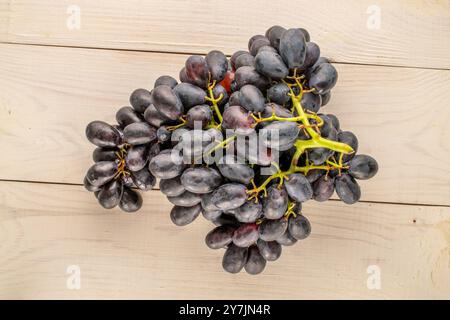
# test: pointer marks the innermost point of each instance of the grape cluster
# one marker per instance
(239, 141)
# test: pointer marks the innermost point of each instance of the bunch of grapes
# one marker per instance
(239, 141)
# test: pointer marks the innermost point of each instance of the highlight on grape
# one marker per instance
(244, 142)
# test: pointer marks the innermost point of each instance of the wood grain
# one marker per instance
(49, 95)
(411, 32)
(46, 228)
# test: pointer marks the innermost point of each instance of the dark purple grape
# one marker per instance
(166, 81)
(253, 39)
(347, 189)
(234, 259)
(248, 75)
(271, 65)
(101, 173)
(233, 170)
(190, 95)
(140, 99)
(305, 33)
(246, 235)
(139, 133)
(271, 251)
(171, 187)
(219, 237)
(167, 102)
(255, 261)
(312, 55)
(201, 179)
(244, 60)
(286, 239)
(89, 187)
(258, 44)
(235, 99)
(274, 35)
(186, 199)
(137, 157)
(326, 98)
(318, 156)
(299, 227)
(110, 194)
(278, 93)
(323, 188)
(235, 56)
(238, 119)
(102, 134)
(311, 102)
(211, 215)
(182, 216)
(183, 76)
(249, 212)
(197, 71)
(163, 134)
(220, 90)
(200, 115)
(350, 139)
(104, 154)
(276, 202)
(323, 78)
(154, 117)
(126, 116)
(167, 165)
(298, 187)
(271, 230)
(131, 200)
(143, 179)
(293, 48)
(229, 196)
(314, 174)
(217, 65)
(127, 181)
(280, 135)
(363, 167)
(251, 98)
(279, 111)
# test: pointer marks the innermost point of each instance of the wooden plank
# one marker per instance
(50, 94)
(409, 33)
(46, 228)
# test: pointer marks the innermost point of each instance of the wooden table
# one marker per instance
(393, 92)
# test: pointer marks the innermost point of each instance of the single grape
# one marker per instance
(248, 75)
(271, 65)
(229, 196)
(201, 179)
(211, 215)
(167, 102)
(171, 187)
(220, 90)
(257, 44)
(238, 119)
(137, 157)
(363, 167)
(311, 102)
(271, 230)
(312, 55)
(347, 189)
(323, 188)
(271, 251)
(326, 98)
(140, 99)
(298, 187)
(276, 202)
(305, 33)
(139, 133)
(219, 237)
(190, 95)
(267, 48)
(102, 134)
(217, 65)
(166, 81)
(286, 239)
(323, 78)
(350, 139)
(299, 227)
(131, 200)
(143, 179)
(243, 60)
(101, 173)
(234, 259)
(163, 134)
(232, 169)
(89, 187)
(274, 35)
(167, 165)
(255, 261)
(278, 93)
(293, 48)
(110, 194)
(280, 135)
(182, 216)
(249, 212)
(235, 56)
(251, 98)
(200, 115)
(186, 199)
(197, 71)
(246, 235)
(279, 111)
(154, 117)
(126, 116)
(314, 174)
(104, 154)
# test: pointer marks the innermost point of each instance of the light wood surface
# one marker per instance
(46, 228)
(410, 33)
(50, 94)
(392, 93)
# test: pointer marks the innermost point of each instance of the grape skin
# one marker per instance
(143, 179)
(104, 154)
(219, 237)
(182, 216)
(323, 78)
(101, 173)
(126, 116)
(347, 189)
(234, 259)
(271, 251)
(299, 227)
(363, 167)
(110, 194)
(276, 202)
(255, 262)
(271, 230)
(166, 165)
(231, 169)
(201, 179)
(323, 188)
(246, 235)
(298, 187)
(166, 81)
(249, 212)
(186, 199)
(251, 98)
(137, 157)
(293, 48)
(271, 65)
(140, 99)
(139, 133)
(190, 95)
(131, 200)
(102, 134)
(229, 196)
